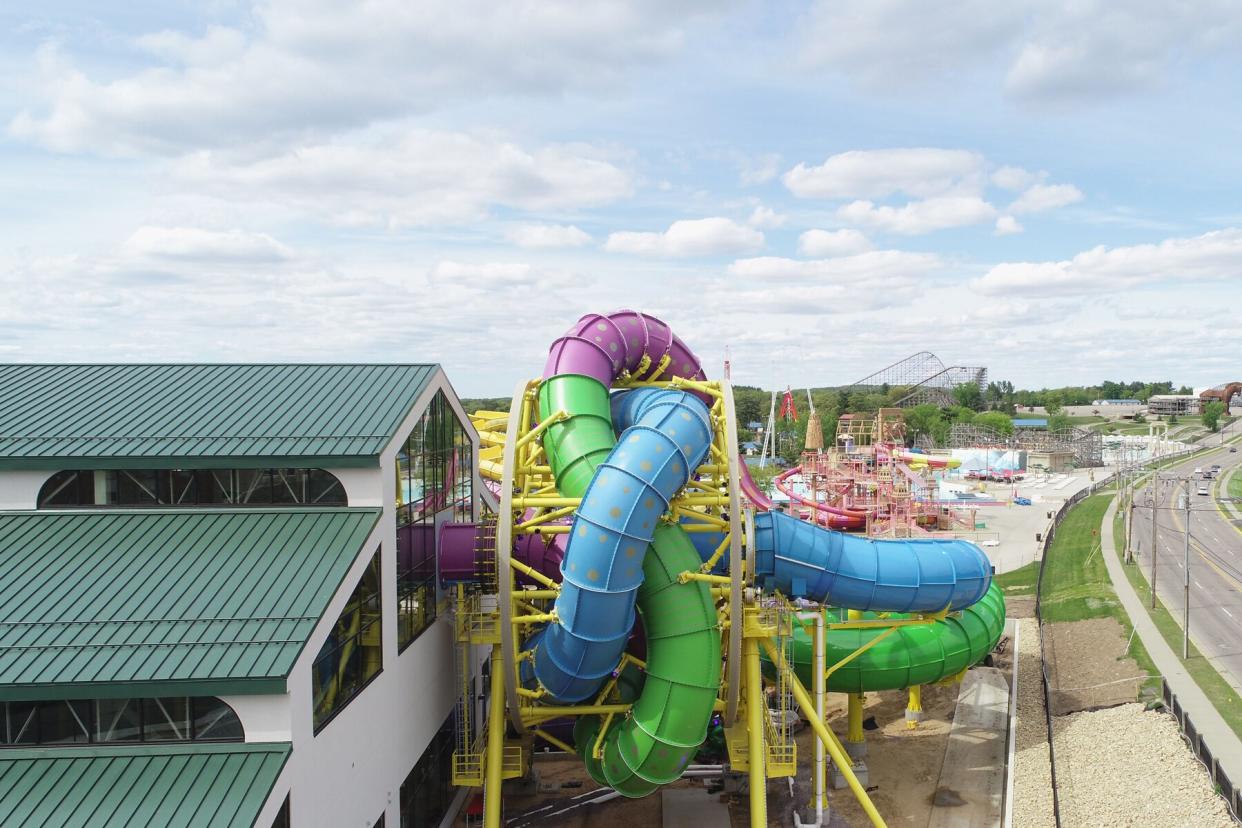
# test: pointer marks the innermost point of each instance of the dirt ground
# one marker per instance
(1088, 667)
(904, 768)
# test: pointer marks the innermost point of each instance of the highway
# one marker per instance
(1215, 557)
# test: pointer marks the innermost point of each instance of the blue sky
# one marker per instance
(1050, 189)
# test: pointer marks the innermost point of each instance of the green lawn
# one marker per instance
(1235, 486)
(1076, 582)
(1223, 696)
(1021, 581)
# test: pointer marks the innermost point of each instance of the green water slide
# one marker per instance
(907, 657)
(669, 719)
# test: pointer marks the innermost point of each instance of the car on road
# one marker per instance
(1197, 470)
(1203, 490)
(1233, 449)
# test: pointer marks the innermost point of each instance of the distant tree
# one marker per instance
(1058, 422)
(969, 396)
(922, 419)
(1212, 413)
(1052, 403)
(996, 421)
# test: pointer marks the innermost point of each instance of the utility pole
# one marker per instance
(1155, 499)
(1186, 590)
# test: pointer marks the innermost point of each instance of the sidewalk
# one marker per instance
(1224, 743)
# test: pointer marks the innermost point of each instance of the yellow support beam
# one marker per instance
(536, 576)
(552, 740)
(495, 744)
(826, 736)
(755, 711)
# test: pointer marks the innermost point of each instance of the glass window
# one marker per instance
(352, 655)
(194, 487)
(166, 720)
(282, 816)
(65, 723)
(438, 480)
(214, 720)
(110, 721)
(427, 791)
(118, 720)
(21, 723)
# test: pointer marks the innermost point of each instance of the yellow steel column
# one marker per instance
(755, 711)
(854, 709)
(495, 743)
(826, 736)
(914, 708)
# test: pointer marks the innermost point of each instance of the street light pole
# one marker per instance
(1186, 589)
(1155, 499)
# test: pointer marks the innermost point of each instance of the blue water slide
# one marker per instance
(901, 575)
(664, 436)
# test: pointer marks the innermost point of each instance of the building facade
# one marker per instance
(220, 593)
(1166, 404)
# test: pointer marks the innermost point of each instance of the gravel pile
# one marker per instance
(1032, 784)
(1129, 766)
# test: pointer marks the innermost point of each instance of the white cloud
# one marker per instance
(882, 266)
(196, 244)
(1215, 256)
(758, 169)
(1015, 178)
(690, 237)
(299, 66)
(411, 177)
(1044, 50)
(1007, 226)
(831, 243)
(1040, 197)
(547, 235)
(919, 217)
(766, 218)
(919, 172)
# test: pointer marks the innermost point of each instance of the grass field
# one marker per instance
(1223, 696)
(1020, 581)
(1076, 583)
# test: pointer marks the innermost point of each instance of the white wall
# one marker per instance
(352, 771)
(20, 489)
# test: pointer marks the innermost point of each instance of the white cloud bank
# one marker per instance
(830, 243)
(1034, 49)
(1215, 256)
(547, 236)
(301, 67)
(713, 236)
(398, 177)
(195, 244)
(947, 188)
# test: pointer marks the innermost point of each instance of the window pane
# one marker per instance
(68, 488)
(323, 488)
(64, 722)
(254, 486)
(288, 487)
(352, 653)
(21, 723)
(133, 487)
(213, 719)
(166, 719)
(183, 488)
(117, 720)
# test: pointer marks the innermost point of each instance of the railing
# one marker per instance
(1199, 747)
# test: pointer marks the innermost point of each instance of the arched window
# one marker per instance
(191, 487)
(118, 721)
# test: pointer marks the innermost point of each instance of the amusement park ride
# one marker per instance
(635, 580)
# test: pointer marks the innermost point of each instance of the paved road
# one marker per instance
(1215, 559)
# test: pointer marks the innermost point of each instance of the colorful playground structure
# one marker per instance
(636, 581)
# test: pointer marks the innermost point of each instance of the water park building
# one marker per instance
(220, 603)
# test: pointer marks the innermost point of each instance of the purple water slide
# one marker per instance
(602, 346)
(462, 550)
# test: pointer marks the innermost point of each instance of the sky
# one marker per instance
(1051, 189)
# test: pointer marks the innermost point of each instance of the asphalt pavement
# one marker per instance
(1215, 583)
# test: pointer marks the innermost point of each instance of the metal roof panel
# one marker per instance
(166, 595)
(190, 412)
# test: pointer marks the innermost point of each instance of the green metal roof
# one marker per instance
(173, 416)
(190, 786)
(126, 603)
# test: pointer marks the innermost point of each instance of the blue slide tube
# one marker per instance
(803, 560)
(665, 434)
